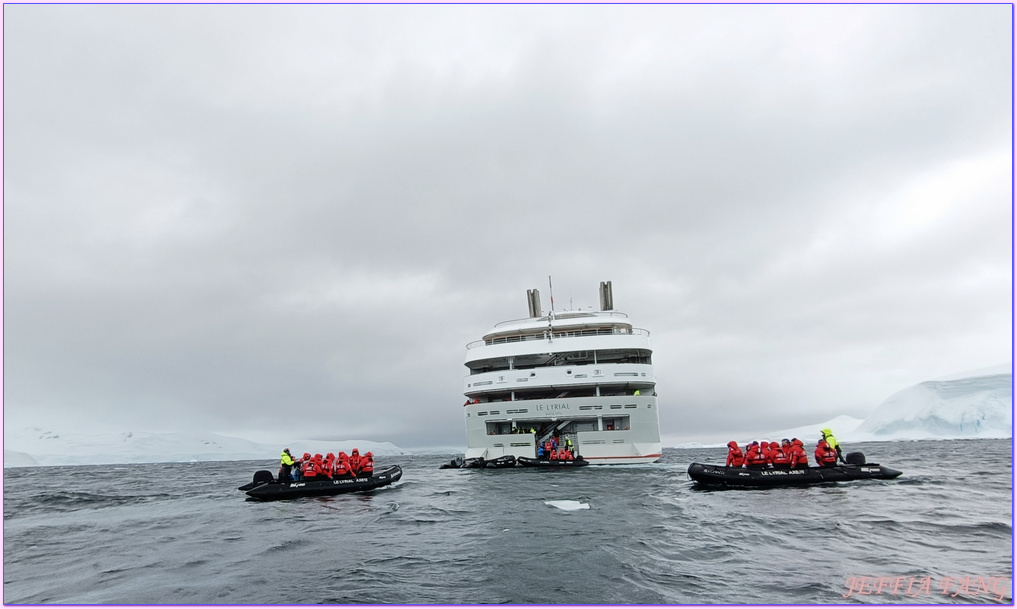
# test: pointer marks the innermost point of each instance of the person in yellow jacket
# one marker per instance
(285, 465)
(832, 442)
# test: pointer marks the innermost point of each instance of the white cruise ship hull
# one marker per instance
(606, 430)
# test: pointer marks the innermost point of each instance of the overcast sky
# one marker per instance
(288, 221)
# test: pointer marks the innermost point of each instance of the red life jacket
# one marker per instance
(554, 454)
(309, 470)
(735, 458)
(755, 456)
(342, 468)
(825, 454)
(567, 455)
(797, 454)
(777, 457)
(367, 467)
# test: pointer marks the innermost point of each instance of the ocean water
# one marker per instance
(183, 534)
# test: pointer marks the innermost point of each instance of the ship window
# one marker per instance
(630, 405)
(615, 406)
(482, 414)
(499, 428)
(495, 412)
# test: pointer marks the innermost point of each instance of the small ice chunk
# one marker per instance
(568, 505)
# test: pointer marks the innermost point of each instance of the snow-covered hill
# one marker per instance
(38, 446)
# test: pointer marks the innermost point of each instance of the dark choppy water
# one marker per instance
(182, 533)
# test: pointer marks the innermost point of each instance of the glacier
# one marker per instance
(31, 446)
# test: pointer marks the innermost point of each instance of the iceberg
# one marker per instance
(950, 408)
(967, 405)
(954, 408)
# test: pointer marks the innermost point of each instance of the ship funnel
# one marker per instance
(606, 298)
(533, 299)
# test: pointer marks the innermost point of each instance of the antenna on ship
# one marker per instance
(551, 290)
(550, 330)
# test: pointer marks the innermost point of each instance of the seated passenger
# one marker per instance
(554, 454)
(754, 458)
(778, 458)
(309, 471)
(797, 456)
(567, 454)
(355, 462)
(367, 466)
(735, 457)
(341, 467)
(319, 465)
(825, 456)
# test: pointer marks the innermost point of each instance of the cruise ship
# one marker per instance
(582, 375)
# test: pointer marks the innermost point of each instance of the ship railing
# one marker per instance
(565, 315)
(501, 340)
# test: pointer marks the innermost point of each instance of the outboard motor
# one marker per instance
(261, 476)
(855, 458)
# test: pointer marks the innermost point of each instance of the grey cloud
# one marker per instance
(251, 216)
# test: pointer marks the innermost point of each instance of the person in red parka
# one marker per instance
(825, 456)
(754, 458)
(310, 470)
(367, 465)
(799, 460)
(319, 465)
(735, 457)
(355, 462)
(778, 458)
(341, 468)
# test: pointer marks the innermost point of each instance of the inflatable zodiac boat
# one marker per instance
(265, 487)
(855, 469)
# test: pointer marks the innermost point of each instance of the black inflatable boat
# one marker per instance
(718, 475)
(528, 462)
(479, 462)
(265, 487)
